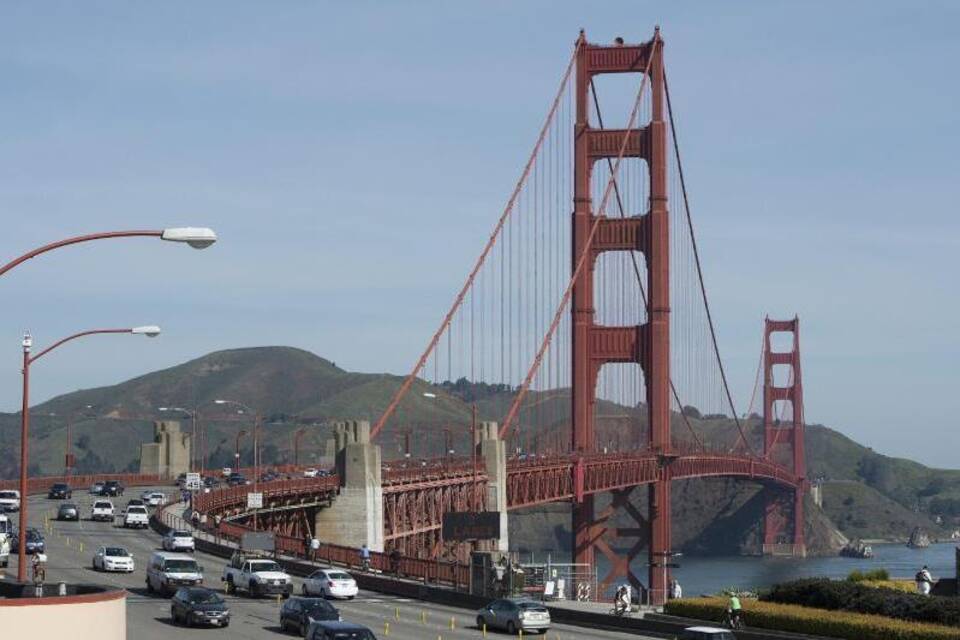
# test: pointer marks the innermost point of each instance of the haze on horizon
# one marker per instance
(354, 157)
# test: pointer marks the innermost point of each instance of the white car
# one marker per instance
(113, 559)
(310, 473)
(9, 500)
(330, 583)
(136, 517)
(177, 540)
(102, 510)
(154, 498)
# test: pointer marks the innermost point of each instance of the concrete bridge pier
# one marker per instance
(356, 516)
(493, 452)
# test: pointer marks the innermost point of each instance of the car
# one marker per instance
(330, 583)
(155, 498)
(112, 488)
(310, 472)
(60, 491)
(102, 510)
(6, 531)
(226, 471)
(135, 502)
(113, 559)
(706, 633)
(512, 615)
(9, 500)
(199, 605)
(167, 572)
(334, 630)
(210, 482)
(297, 613)
(236, 480)
(179, 540)
(96, 489)
(68, 511)
(136, 517)
(35, 542)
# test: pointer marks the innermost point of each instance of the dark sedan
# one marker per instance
(60, 491)
(199, 606)
(112, 488)
(331, 630)
(68, 511)
(35, 543)
(236, 480)
(297, 613)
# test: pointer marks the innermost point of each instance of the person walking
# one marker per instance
(675, 591)
(924, 581)
(314, 548)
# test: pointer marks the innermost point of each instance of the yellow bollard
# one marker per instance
(81, 547)
(396, 614)
(386, 628)
(423, 617)
(453, 622)
(520, 633)
(484, 629)
(279, 601)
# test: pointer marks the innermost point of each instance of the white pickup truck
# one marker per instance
(102, 510)
(257, 576)
(136, 517)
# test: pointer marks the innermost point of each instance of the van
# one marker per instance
(167, 572)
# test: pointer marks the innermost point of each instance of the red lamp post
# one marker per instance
(296, 445)
(149, 331)
(236, 456)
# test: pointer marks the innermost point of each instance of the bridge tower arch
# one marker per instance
(784, 437)
(648, 345)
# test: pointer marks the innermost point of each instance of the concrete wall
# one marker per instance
(101, 617)
(169, 453)
(493, 452)
(356, 516)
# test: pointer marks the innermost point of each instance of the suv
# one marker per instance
(136, 517)
(330, 630)
(9, 500)
(112, 488)
(297, 613)
(167, 572)
(60, 491)
(102, 510)
(257, 575)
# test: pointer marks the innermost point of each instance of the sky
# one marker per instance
(353, 156)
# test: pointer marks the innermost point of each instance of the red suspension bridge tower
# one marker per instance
(647, 344)
(783, 440)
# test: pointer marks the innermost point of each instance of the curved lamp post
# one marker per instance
(151, 331)
(196, 237)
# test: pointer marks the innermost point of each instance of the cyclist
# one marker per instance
(734, 612)
(365, 557)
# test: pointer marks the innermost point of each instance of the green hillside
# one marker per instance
(866, 494)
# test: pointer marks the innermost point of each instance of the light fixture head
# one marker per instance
(196, 237)
(150, 330)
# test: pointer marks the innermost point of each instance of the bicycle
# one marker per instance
(733, 620)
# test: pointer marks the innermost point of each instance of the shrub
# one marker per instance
(788, 617)
(855, 596)
(874, 574)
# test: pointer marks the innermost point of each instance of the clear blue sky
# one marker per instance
(354, 155)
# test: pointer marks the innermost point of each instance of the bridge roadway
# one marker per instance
(148, 616)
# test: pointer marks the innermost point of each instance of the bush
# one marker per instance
(854, 596)
(873, 574)
(788, 617)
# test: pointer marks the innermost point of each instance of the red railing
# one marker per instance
(41, 484)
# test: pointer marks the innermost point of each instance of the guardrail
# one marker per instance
(42, 483)
(209, 505)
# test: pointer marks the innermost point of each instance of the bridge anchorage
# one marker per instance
(581, 335)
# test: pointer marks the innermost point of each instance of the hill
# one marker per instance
(866, 494)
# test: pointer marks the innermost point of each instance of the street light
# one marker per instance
(196, 237)
(150, 331)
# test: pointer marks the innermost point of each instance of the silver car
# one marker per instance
(68, 511)
(512, 615)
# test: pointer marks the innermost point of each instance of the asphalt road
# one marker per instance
(70, 549)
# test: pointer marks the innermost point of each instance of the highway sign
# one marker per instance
(192, 482)
(254, 500)
(471, 526)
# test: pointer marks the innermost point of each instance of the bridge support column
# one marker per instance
(356, 515)
(493, 452)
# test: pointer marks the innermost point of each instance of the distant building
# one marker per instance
(169, 453)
